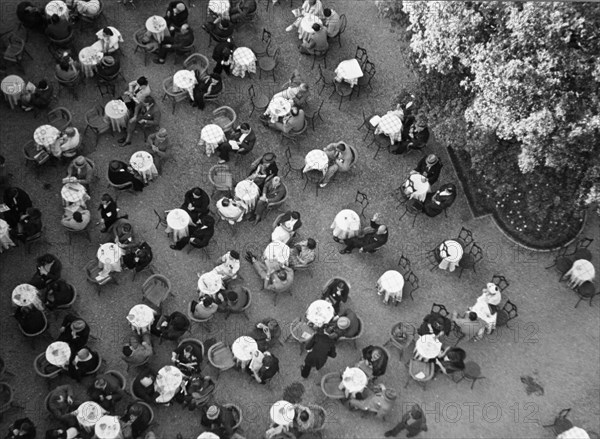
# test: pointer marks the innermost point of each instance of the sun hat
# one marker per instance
(431, 159)
(162, 132)
(78, 325)
(180, 7)
(208, 435)
(108, 61)
(79, 161)
(268, 157)
(343, 322)
(213, 412)
(391, 394)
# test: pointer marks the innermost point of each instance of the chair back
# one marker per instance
(343, 24)
(156, 289)
(63, 42)
(402, 334)
(225, 117)
(236, 412)
(196, 61)
(476, 252)
(320, 417)
(148, 409)
(361, 55)
(60, 117)
(510, 309)
(276, 57)
(361, 330)
(251, 92)
(38, 364)
(72, 301)
(168, 89)
(330, 386)
(404, 265)
(266, 39)
(465, 237)
(220, 177)
(119, 377)
(9, 393)
(121, 187)
(583, 243)
(412, 280)
(194, 341)
(500, 282)
(190, 315)
(40, 332)
(220, 356)
(293, 134)
(437, 308)
(97, 368)
(285, 189)
(369, 70)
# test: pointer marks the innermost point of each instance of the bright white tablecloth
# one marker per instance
(346, 224)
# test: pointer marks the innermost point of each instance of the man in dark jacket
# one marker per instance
(58, 29)
(182, 38)
(370, 241)
(74, 331)
(30, 319)
(219, 420)
(31, 16)
(269, 368)
(136, 420)
(208, 85)
(196, 202)
(171, 327)
(48, 270)
(319, 348)
(58, 293)
(413, 421)
(83, 363)
(241, 10)
(347, 325)
(429, 167)
(139, 257)
(442, 199)
(17, 200)
(143, 387)
(220, 30)
(200, 234)
(61, 405)
(106, 391)
(120, 173)
(177, 15)
(39, 99)
(109, 67)
(245, 139)
(21, 429)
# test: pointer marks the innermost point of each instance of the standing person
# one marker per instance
(319, 348)
(414, 422)
(223, 57)
(159, 143)
(108, 212)
(17, 200)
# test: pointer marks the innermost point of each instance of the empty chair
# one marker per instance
(299, 333)
(311, 115)
(585, 291)
(225, 117)
(262, 48)
(361, 55)
(220, 357)
(33, 335)
(561, 423)
(465, 237)
(581, 250)
(15, 51)
(221, 178)
(156, 290)
(269, 64)
(471, 259)
(197, 61)
(414, 208)
(8, 400)
(368, 75)
(343, 90)
(174, 96)
(404, 265)
(506, 314)
(319, 55)
(70, 85)
(327, 77)
(258, 101)
(294, 162)
(411, 284)
(119, 377)
(60, 117)
(330, 385)
(471, 372)
(420, 372)
(95, 121)
(367, 124)
(44, 369)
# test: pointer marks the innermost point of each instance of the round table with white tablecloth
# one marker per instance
(140, 318)
(212, 135)
(26, 295)
(278, 107)
(346, 224)
(185, 80)
(581, 271)
(5, 241)
(12, 87)
(89, 58)
(46, 135)
(109, 259)
(74, 194)
(157, 26)
(108, 427)
(354, 380)
(210, 283)
(243, 349)
(178, 221)
(89, 413)
(417, 187)
(451, 253)
(282, 413)
(574, 433)
(248, 192)
(277, 251)
(143, 163)
(219, 7)
(244, 61)
(390, 284)
(168, 381)
(316, 160)
(57, 7)
(305, 26)
(58, 353)
(349, 71)
(390, 125)
(427, 347)
(320, 312)
(117, 113)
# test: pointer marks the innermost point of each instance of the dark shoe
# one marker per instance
(158, 61)
(125, 217)
(336, 239)
(250, 255)
(174, 247)
(103, 231)
(122, 140)
(248, 258)
(344, 251)
(389, 434)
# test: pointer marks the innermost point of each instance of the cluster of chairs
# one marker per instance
(472, 252)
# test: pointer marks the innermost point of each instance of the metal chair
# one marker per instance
(311, 116)
(156, 290)
(220, 357)
(32, 336)
(382, 142)
(471, 372)
(585, 291)
(258, 101)
(327, 77)
(293, 135)
(344, 90)
(404, 264)
(40, 364)
(319, 55)
(95, 121)
(465, 237)
(368, 75)
(37, 157)
(561, 423)
(183, 52)
(174, 96)
(196, 61)
(343, 24)
(225, 117)
(269, 64)
(411, 285)
(108, 85)
(420, 372)
(440, 309)
(70, 304)
(367, 124)
(10, 402)
(506, 314)
(401, 337)
(262, 49)
(92, 271)
(85, 232)
(15, 51)
(294, 162)
(314, 176)
(581, 250)
(296, 333)
(471, 259)
(161, 219)
(361, 55)
(500, 282)
(414, 208)
(60, 117)
(360, 204)
(119, 377)
(236, 413)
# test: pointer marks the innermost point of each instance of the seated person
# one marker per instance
(17, 200)
(159, 144)
(123, 234)
(442, 199)
(413, 422)
(88, 8)
(414, 136)
(48, 270)
(263, 169)
(64, 433)
(336, 292)
(74, 331)
(294, 122)
(30, 319)
(31, 16)
(231, 210)
(266, 333)
(39, 99)
(66, 70)
(279, 280)
(244, 139)
(143, 387)
(286, 226)
(21, 429)
(83, 363)
(81, 171)
(273, 192)
(208, 85)
(136, 93)
(268, 369)
(135, 420)
(196, 392)
(373, 237)
(61, 405)
(219, 420)
(108, 40)
(67, 144)
(146, 116)
(188, 358)
(196, 202)
(58, 293)
(241, 10)
(121, 173)
(313, 7)
(181, 38)
(176, 15)
(206, 307)
(138, 258)
(340, 157)
(470, 324)
(228, 265)
(331, 22)
(429, 167)
(29, 225)
(109, 67)
(106, 391)
(236, 297)
(200, 234)
(435, 324)
(450, 360)
(220, 30)
(303, 253)
(304, 419)
(171, 327)
(316, 42)
(299, 94)
(58, 29)
(75, 220)
(138, 349)
(375, 359)
(345, 325)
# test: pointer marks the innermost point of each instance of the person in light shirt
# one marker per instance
(230, 210)
(229, 265)
(331, 22)
(77, 220)
(313, 7)
(108, 40)
(67, 144)
(88, 8)
(81, 170)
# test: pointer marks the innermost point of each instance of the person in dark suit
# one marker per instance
(415, 135)
(17, 200)
(188, 358)
(31, 16)
(347, 325)
(245, 138)
(58, 29)
(171, 327)
(374, 238)
(83, 363)
(223, 51)
(29, 224)
(108, 212)
(48, 270)
(39, 99)
(429, 167)
(200, 234)
(450, 360)
(21, 429)
(263, 169)
(319, 348)
(120, 173)
(241, 10)
(269, 368)
(143, 387)
(136, 420)
(181, 38)
(138, 258)
(109, 67)
(74, 331)
(376, 358)
(208, 85)
(336, 292)
(176, 15)
(442, 199)
(220, 30)
(413, 421)
(106, 391)
(61, 405)
(219, 420)
(30, 319)
(196, 202)
(58, 293)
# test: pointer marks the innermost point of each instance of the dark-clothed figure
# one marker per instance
(219, 420)
(200, 234)
(108, 212)
(372, 239)
(30, 319)
(319, 348)
(120, 173)
(430, 168)
(74, 331)
(413, 421)
(21, 429)
(48, 270)
(61, 405)
(83, 363)
(208, 85)
(58, 29)
(196, 202)
(442, 199)
(106, 391)
(58, 293)
(244, 137)
(376, 358)
(31, 16)
(180, 39)
(336, 292)
(138, 258)
(136, 420)
(171, 327)
(176, 15)
(17, 200)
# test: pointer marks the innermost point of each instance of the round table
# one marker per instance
(278, 107)
(89, 413)
(349, 71)
(108, 427)
(390, 125)
(282, 413)
(581, 271)
(178, 221)
(89, 57)
(25, 295)
(451, 253)
(212, 135)
(140, 318)
(305, 26)
(12, 87)
(320, 312)
(74, 194)
(167, 383)
(117, 113)
(316, 160)
(354, 380)
(482, 308)
(58, 353)
(210, 283)
(157, 26)
(57, 7)
(420, 184)
(244, 61)
(277, 251)
(5, 241)
(46, 135)
(390, 284)
(143, 163)
(219, 7)
(109, 257)
(574, 433)
(248, 192)
(346, 224)
(185, 80)
(243, 349)
(427, 347)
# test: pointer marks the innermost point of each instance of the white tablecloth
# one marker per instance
(157, 26)
(89, 413)
(143, 163)
(12, 87)
(305, 26)
(452, 256)
(278, 107)
(244, 61)
(74, 194)
(320, 312)
(108, 427)
(140, 318)
(316, 160)
(248, 192)
(117, 113)
(109, 258)
(277, 251)
(212, 135)
(25, 295)
(482, 309)
(89, 58)
(243, 349)
(349, 71)
(178, 221)
(282, 413)
(185, 80)
(59, 8)
(354, 380)
(46, 135)
(581, 271)
(5, 241)
(574, 433)
(219, 7)
(390, 284)
(167, 383)
(58, 353)
(427, 347)
(210, 283)
(390, 125)
(346, 224)
(421, 187)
